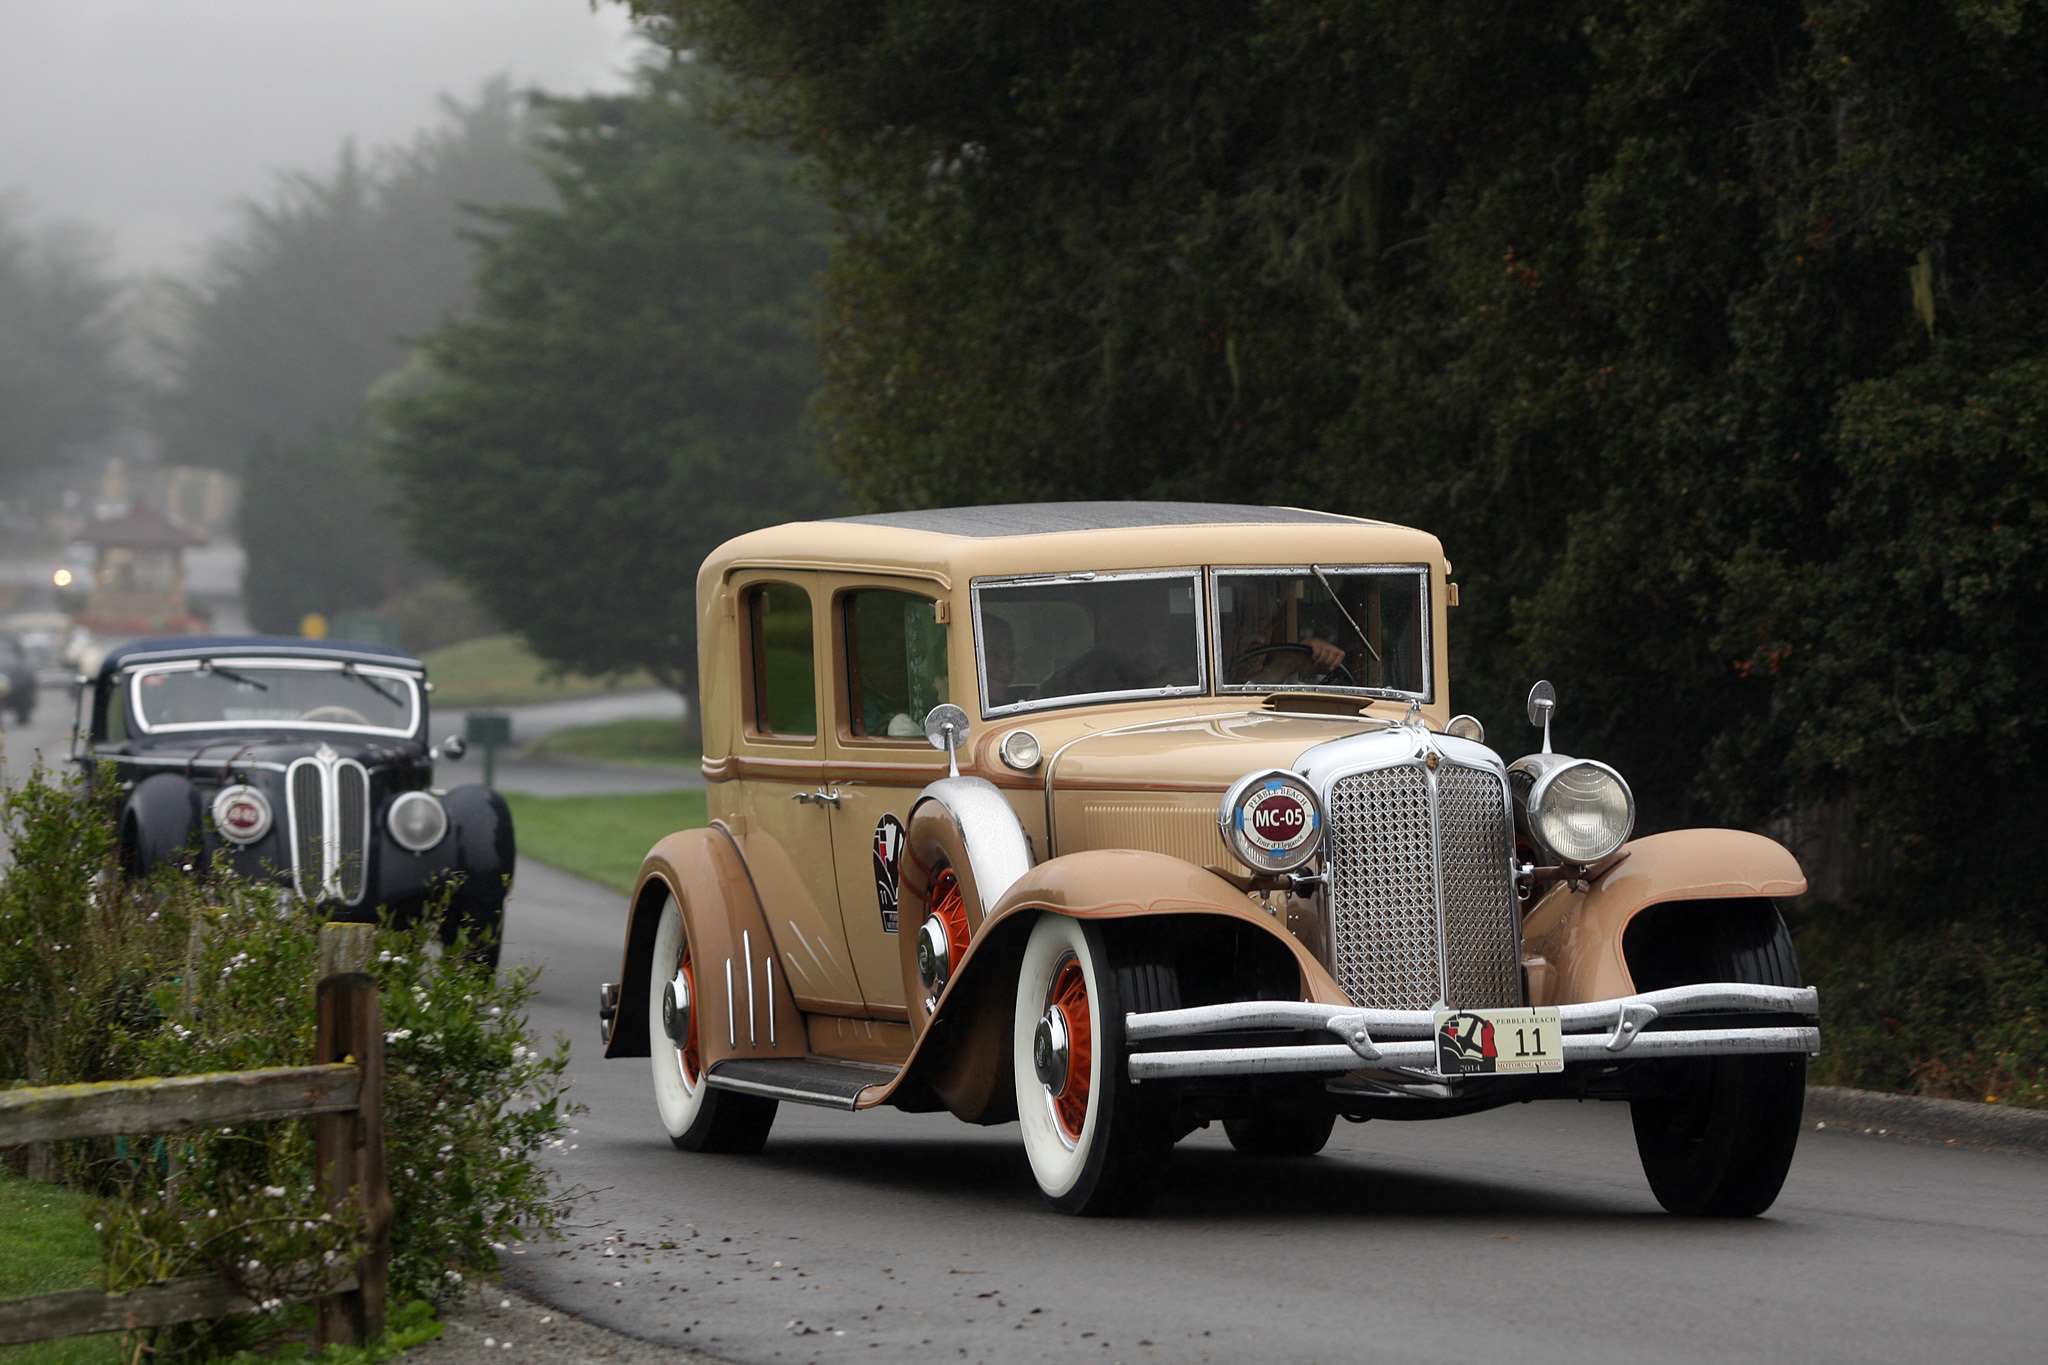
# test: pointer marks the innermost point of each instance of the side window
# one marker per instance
(895, 663)
(785, 686)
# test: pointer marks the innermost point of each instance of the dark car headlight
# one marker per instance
(417, 820)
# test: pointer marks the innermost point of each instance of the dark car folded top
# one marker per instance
(306, 762)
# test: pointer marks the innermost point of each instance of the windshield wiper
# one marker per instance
(1317, 570)
(348, 670)
(209, 666)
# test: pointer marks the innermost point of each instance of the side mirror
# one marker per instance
(1542, 702)
(945, 725)
(452, 747)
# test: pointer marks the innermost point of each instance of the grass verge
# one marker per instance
(47, 1244)
(643, 739)
(601, 837)
(499, 670)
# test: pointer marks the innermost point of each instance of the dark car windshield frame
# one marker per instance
(371, 691)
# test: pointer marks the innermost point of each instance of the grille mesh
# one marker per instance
(1382, 880)
(309, 820)
(1481, 919)
(352, 803)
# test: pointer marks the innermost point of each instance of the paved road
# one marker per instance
(1524, 1235)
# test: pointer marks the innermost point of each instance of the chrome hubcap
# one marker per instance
(675, 1010)
(1050, 1053)
(934, 953)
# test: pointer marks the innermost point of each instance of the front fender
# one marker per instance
(1578, 935)
(748, 1010)
(964, 1055)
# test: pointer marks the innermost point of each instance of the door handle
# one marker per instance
(820, 798)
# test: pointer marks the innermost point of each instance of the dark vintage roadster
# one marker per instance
(299, 761)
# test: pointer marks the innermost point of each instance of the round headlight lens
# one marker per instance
(241, 813)
(1271, 820)
(1582, 812)
(417, 821)
(1020, 750)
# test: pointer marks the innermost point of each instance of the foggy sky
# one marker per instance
(151, 118)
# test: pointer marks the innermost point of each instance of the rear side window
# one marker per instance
(785, 682)
(895, 663)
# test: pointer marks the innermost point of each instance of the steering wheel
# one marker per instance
(1340, 674)
(340, 715)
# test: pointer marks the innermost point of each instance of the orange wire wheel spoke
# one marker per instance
(689, 1054)
(1069, 995)
(951, 908)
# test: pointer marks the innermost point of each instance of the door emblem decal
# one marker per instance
(889, 836)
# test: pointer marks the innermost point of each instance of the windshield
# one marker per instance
(1323, 627)
(274, 694)
(1045, 642)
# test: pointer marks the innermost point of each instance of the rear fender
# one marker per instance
(1576, 937)
(729, 940)
(964, 1056)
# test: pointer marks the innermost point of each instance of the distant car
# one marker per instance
(1216, 849)
(19, 673)
(301, 761)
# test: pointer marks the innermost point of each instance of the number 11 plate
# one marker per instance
(1498, 1042)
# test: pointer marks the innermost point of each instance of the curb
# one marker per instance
(1912, 1116)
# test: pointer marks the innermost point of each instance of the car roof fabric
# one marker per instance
(1037, 518)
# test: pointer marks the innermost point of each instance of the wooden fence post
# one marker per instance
(349, 1147)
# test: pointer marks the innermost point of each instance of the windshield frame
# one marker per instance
(131, 688)
(1198, 583)
(1425, 612)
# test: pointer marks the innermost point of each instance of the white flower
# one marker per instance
(398, 1035)
(274, 1191)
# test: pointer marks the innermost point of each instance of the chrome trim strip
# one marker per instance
(1421, 1056)
(732, 1037)
(747, 951)
(768, 970)
(181, 762)
(1598, 1016)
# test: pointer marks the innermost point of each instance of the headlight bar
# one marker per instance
(1600, 1030)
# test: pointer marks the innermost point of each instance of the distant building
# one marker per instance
(138, 578)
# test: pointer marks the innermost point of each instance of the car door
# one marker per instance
(889, 667)
(786, 826)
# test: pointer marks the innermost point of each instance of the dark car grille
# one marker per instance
(352, 807)
(329, 810)
(1395, 838)
(309, 825)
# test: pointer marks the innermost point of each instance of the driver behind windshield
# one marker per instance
(1272, 632)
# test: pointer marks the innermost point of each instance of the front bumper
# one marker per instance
(1604, 1031)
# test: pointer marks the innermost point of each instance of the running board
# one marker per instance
(828, 1081)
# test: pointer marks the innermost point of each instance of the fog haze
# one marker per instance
(151, 119)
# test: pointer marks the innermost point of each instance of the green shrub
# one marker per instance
(1955, 1011)
(178, 976)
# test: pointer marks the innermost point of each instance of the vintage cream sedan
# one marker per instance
(1119, 819)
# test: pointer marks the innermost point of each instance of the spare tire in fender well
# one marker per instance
(159, 822)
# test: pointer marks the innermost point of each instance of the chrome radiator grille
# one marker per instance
(1390, 843)
(308, 814)
(328, 808)
(352, 828)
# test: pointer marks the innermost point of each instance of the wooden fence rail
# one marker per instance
(343, 1092)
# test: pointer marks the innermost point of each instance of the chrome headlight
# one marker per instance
(1271, 820)
(417, 821)
(1580, 811)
